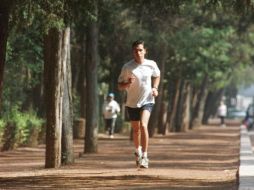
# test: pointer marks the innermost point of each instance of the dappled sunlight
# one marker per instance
(208, 154)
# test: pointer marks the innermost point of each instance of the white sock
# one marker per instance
(145, 154)
(139, 150)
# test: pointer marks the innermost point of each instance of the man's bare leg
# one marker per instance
(136, 133)
(136, 139)
(145, 115)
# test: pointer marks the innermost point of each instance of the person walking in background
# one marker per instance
(222, 113)
(249, 117)
(140, 77)
(110, 110)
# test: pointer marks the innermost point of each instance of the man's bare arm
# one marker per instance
(124, 85)
(155, 85)
(155, 82)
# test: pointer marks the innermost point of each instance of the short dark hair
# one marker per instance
(137, 42)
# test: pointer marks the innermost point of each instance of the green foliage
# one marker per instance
(52, 13)
(24, 123)
(49, 13)
(201, 51)
(156, 9)
(202, 39)
(243, 77)
(118, 30)
(24, 63)
(206, 43)
(2, 125)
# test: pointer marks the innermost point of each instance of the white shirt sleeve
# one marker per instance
(156, 70)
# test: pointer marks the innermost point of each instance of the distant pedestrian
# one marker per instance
(222, 113)
(249, 117)
(110, 110)
(140, 77)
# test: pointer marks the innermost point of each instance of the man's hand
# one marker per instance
(131, 79)
(124, 85)
(155, 92)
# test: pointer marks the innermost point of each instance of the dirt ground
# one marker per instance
(201, 159)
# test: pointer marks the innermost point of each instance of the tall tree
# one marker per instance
(57, 85)
(92, 62)
(54, 72)
(5, 8)
(67, 138)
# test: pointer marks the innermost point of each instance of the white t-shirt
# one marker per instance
(222, 110)
(140, 91)
(110, 109)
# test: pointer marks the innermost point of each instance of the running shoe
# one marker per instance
(138, 159)
(144, 162)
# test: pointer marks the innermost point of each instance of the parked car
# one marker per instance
(249, 118)
(234, 113)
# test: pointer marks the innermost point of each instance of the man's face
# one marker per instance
(139, 53)
(109, 98)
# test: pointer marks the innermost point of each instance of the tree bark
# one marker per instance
(186, 107)
(211, 103)
(37, 98)
(92, 99)
(196, 114)
(5, 7)
(67, 137)
(82, 79)
(54, 71)
(162, 119)
(171, 118)
(160, 105)
(182, 118)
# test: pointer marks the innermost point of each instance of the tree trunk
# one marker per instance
(67, 138)
(9, 140)
(54, 72)
(211, 103)
(37, 98)
(160, 105)
(207, 108)
(171, 118)
(182, 118)
(82, 80)
(196, 117)
(186, 107)
(77, 52)
(79, 128)
(92, 62)
(5, 7)
(162, 119)
(155, 120)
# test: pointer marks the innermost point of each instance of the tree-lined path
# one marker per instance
(203, 158)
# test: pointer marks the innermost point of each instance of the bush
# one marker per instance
(25, 126)
(2, 125)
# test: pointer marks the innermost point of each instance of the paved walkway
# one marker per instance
(206, 158)
(246, 169)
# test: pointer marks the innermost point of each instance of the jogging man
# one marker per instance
(140, 77)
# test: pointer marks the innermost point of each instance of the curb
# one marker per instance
(246, 168)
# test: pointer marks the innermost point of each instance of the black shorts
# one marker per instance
(135, 113)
